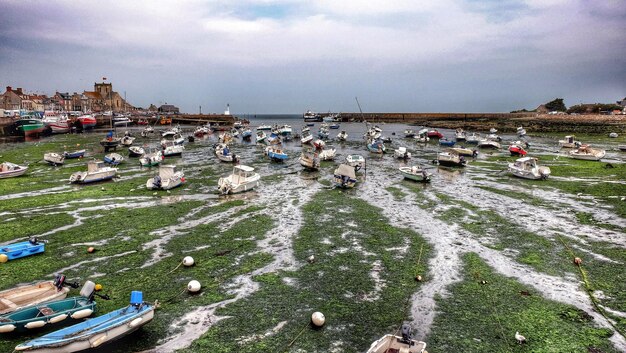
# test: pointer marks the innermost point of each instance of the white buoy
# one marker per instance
(194, 286)
(318, 319)
(188, 261)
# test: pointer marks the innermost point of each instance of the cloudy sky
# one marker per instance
(286, 56)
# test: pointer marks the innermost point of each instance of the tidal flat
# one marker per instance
(495, 253)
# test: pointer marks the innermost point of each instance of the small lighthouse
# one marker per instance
(227, 111)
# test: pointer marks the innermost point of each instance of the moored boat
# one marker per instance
(434, 134)
(587, 153)
(621, 148)
(356, 161)
(151, 159)
(521, 132)
(276, 154)
(342, 136)
(168, 178)
(569, 142)
(462, 151)
(527, 168)
(264, 127)
(54, 158)
(21, 249)
(306, 137)
(344, 176)
(327, 154)
(113, 158)
(224, 154)
(310, 160)
(445, 142)
(41, 292)
(86, 121)
(94, 332)
(517, 150)
(451, 158)
(171, 149)
(396, 344)
(416, 173)
(473, 138)
(402, 153)
(260, 136)
(9, 170)
(74, 154)
(460, 135)
(127, 140)
(29, 127)
(487, 143)
(110, 141)
(243, 178)
(376, 146)
(96, 171)
(408, 133)
(135, 151)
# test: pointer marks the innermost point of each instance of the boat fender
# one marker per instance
(81, 314)
(35, 324)
(7, 328)
(57, 318)
(98, 341)
(135, 322)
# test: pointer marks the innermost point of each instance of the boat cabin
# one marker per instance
(94, 166)
(526, 163)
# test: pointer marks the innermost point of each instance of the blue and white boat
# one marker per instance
(21, 249)
(246, 134)
(376, 146)
(94, 332)
(75, 154)
(445, 142)
(276, 154)
(334, 126)
(113, 158)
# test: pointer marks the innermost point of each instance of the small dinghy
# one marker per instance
(94, 332)
(42, 292)
(527, 168)
(243, 178)
(224, 154)
(517, 150)
(344, 176)
(96, 171)
(113, 158)
(21, 249)
(75, 154)
(135, 151)
(276, 154)
(9, 170)
(151, 159)
(587, 153)
(54, 158)
(36, 316)
(402, 153)
(396, 344)
(168, 178)
(127, 140)
(416, 173)
(171, 149)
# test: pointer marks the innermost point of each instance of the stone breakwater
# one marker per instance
(504, 122)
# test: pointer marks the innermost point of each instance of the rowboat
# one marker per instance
(9, 170)
(96, 171)
(94, 332)
(168, 178)
(416, 173)
(75, 154)
(397, 344)
(42, 292)
(243, 178)
(344, 176)
(224, 154)
(45, 314)
(54, 158)
(587, 153)
(21, 249)
(135, 151)
(527, 168)
(276, 154)
(113, 158)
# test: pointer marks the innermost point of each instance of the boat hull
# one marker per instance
(36, 316)
(22, 249)
(19, 297)
(10, 170)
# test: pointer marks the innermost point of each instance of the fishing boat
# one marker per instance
(434, 134)
(402, 153)
(517, 150)
(416, 173)
(327, 154)
(127, 140)
(521, 132)
(110, 141)
(94, 332)
(223, 154)
(32, 294)
(177, 139)
(569, 142)
(356, 161)
(422, 136)
(74, 154)
(276, 154)
(54, 158)
(151, 159)
(29, 127)
(147, 131)
(487, 143)
(135, 151)
(460, 135)
(342, 136)
(311, 116)
(168, 178)
(462, 151)
(243, 178)
(10, 170)
(113, 158)
(246, 134)
(264, 127)
(21, 249)
(587, 153)
(445, 142)
(396, 344)
(58, 124)
(260, 136)
(408, 133)
(473, 138)
(345, 176)
(96, 171)
(376, 146)
(86, 121)
(36, 316)
(527, 168)
(450, 158)
(306, 137)
(310, 160)
(171, 149)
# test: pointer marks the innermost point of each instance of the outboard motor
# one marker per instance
(59, 281)
(156, 181)
(136, 298)
(33, 240)
(406, 334)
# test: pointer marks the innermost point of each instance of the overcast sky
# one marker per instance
(287, 56)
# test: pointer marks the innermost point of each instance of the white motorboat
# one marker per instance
(260, 136)
(151, 159)
(127, 140)
(462, 151)
(96, 171)
(9, 170)
(147, 131)
(345, 176)
(172, 149)
(527, 168)
(587, 153)
(113, 158)
(264, 127)
(328, 154)
(402, 153)
(397, 344)
(168, 178)
(356, 161)
(171, 132)
(306, 137)
(54, 158)
(408, 133)
(135, 151)
(310, 160)
(224, 154)
(416, 173)
(473, 138)
(460, 135)
(493, 130)
(569, 142)
(242, 179)
(488, 143)
(450, 158)
(177, 139)
(342, 136)
(521, 132)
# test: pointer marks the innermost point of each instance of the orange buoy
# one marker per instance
(91, 249)
(578, 261)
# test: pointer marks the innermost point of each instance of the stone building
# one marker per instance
(11, 100)
(103, 98)
(168, 109)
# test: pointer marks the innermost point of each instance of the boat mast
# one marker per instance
(357, 103)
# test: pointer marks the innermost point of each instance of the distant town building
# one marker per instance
(11, 100)
(152, 108)
(622, 102)
(168, 109)
(104, 98)
(542, 109)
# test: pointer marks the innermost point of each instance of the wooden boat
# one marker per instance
(342, 136)
(135, 151)
(21, 249)
(96, 171)
(223, 154)
(54, 158)
(10, 170)
(345, 176)
(113, 158)
(45, 314)
(42, 292)
(402, 153)
(94, 332)
(450, 158)
(151, 159)
(587, 153)
(243, 178)
(527, 168)
(276, 154)
(445, 142)
(569, 142)
(517, 150)
(327, 154)
(487, 143)
(310, 160)
(356, 161)
(462, 151)
(397, 344)
(416, 173)
(168, 178)
(75, 154)
(172, 149)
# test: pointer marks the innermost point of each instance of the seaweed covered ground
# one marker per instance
(495, 254)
